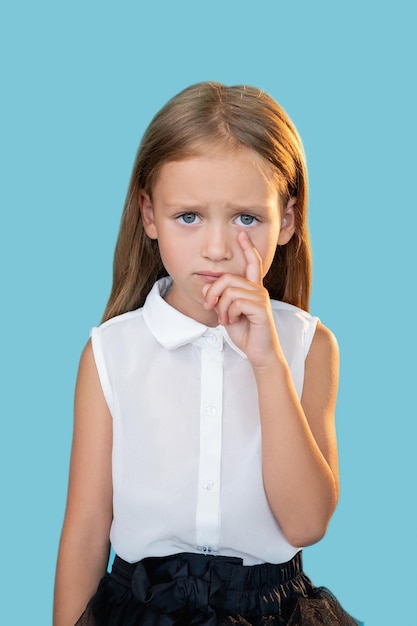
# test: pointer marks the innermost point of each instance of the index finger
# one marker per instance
(253, 271)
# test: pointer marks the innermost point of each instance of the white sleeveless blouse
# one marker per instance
(186, 433)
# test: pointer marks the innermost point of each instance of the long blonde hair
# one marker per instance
(202, 114)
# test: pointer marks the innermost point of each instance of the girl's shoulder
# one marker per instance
(292, 314)
(295, 326)
(122, 330)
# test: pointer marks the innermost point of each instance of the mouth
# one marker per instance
(209, 277)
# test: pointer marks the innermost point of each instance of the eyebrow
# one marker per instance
(191, 207)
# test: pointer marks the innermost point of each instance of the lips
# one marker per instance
(209, 277)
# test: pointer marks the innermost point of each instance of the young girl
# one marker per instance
(204, 441)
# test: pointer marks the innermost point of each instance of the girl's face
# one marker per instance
(198, 207)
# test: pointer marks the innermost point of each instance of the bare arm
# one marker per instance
(84, 546)
(300, 466)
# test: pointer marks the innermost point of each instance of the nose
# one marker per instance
(217, 244)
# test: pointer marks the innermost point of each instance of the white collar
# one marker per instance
(171, 328)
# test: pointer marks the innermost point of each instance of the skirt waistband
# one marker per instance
(230, 570)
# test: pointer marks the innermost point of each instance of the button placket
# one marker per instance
(208, 501)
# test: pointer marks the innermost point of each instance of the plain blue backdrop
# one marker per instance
(80, 82)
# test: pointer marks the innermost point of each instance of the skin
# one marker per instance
(84, 546)
(218, 220)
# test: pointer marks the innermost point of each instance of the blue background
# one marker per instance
(80, 82)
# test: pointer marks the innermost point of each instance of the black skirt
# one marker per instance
(211, 590)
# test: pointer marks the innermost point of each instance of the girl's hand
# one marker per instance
(244, 308)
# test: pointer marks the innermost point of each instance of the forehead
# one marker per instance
(239, 173)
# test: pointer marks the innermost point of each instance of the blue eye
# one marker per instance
(188, 218)
(246, 220)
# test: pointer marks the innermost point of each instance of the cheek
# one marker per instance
(266, 248)
(174, 250)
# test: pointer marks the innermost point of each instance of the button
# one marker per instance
(211, 410)
(206, 550)
(211, 338)
(208, 485)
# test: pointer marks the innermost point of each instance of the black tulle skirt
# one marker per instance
(211, 591)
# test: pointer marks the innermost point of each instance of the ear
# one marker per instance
(287, 222)
(147, 213)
